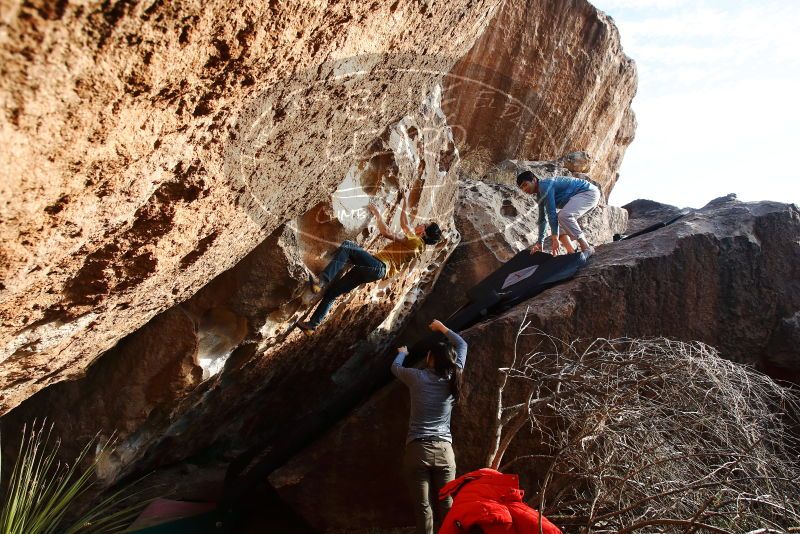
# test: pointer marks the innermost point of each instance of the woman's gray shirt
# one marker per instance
(431, 401)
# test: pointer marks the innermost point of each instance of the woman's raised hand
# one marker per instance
(438, 326)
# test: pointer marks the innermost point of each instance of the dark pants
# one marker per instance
(366, 268)
(427, 467)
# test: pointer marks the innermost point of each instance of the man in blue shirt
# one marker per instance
(574, 196)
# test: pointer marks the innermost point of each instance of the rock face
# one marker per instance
(150, 146)
(727, 274)
(546, 78)
(146, 372)
(645, 213)
(222, 367)
(173, 170)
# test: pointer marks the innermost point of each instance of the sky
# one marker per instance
(718, 100)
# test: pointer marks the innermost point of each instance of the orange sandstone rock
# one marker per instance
(544, 79)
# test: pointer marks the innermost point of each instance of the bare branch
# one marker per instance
(639, 434)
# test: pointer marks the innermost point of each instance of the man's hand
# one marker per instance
(536, 248)
(402, 349)
(554, 245)
(438, 326)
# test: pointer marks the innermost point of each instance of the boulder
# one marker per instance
(240, 376)
(147, 371)
(577, 162)
(644, 213)
(507, 170)
(148, 147)
(544, 79)
(726, 274)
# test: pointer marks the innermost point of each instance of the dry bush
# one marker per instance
(654, 436)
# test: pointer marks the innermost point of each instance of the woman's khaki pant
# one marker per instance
(429, 465)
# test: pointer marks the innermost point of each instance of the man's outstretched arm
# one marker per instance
(382, 228)
(404, 223)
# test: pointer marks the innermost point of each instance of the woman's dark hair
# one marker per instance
(444, 364)
(526, 176)
(432, 234)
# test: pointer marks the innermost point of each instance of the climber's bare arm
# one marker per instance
(382, 228)
(404, 223)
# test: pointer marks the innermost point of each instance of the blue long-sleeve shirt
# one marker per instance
(431, 400)
(554, 193)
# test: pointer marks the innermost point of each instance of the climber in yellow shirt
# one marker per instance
(367, 267)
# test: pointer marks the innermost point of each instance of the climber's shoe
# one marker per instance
(307, 328)
(315, 286)
(587, 253)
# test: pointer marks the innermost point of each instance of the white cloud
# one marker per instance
(686, 54)
(771, 30)
(661, 80)
(692, 147)
(639, 4)
(716, 104)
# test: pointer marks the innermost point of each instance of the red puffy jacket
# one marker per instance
(493, 501)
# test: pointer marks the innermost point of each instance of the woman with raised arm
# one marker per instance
(429, 462)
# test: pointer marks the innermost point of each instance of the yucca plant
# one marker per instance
(43, 492)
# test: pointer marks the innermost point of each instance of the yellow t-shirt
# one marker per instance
(397, 253)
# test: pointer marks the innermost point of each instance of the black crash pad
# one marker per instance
(520, 278)
(651, 228)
